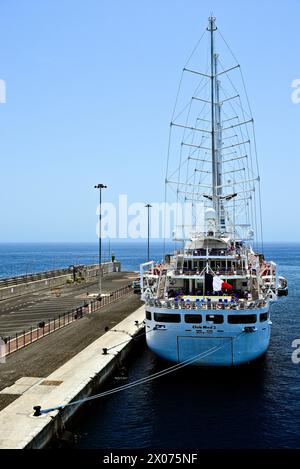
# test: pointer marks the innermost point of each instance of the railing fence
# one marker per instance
(43, 328)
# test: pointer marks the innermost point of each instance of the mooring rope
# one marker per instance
(130, 338)
(166, 371)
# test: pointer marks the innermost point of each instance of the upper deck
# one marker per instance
(200, 273)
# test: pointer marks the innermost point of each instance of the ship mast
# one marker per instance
(219, 146)
(212, 28)
(218, 129)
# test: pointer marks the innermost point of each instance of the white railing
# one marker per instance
(205, 304)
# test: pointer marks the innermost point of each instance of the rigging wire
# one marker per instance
(250, 207)
(195, 48)
(242, 76)
(247, 185)
(254, 139)
(255, 224)
(170, 132)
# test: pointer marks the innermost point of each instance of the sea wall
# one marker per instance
(12, 288)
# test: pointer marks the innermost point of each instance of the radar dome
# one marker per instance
(210, 214)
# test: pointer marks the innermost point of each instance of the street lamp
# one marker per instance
(148, 206)
(100, 187)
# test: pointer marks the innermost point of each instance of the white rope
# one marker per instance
(139, 381)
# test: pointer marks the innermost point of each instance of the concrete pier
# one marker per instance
(26, 284)
(19, 314)
(46, 355)
(79, 377)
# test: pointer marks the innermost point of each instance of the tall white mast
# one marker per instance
(215, 199)
(218, 129)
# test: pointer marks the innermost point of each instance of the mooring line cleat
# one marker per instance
(37, 411)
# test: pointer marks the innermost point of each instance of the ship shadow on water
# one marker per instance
(213, 374)
(210, 407)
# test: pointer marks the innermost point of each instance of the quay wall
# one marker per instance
(79, 378)
(12, 288)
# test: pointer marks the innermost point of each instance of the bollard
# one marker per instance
(104, 351)
(37, 411)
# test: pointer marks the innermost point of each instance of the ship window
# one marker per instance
(263, 317)
(193, 318)
(148, 315)
(163, 317)
(215, 318)
(242, 318)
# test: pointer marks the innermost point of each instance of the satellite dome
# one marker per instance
(210, 213)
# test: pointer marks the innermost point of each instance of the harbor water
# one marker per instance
(255, 406)
(24, 258)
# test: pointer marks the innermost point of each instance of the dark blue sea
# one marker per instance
(25, 258)
(255, 406)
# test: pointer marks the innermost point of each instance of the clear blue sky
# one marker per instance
(90, 89)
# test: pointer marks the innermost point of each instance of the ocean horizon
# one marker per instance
(23, 258)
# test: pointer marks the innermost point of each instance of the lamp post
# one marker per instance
(100, 187)
(148, 206)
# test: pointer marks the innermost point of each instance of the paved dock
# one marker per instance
(78, 377)
(44, 356)
(19, 314)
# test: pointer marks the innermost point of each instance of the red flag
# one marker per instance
(226, 286)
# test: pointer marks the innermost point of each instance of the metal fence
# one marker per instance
(43, 328)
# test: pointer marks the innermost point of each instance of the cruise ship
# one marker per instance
(208, 303)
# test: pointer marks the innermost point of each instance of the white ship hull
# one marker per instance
(209, 344)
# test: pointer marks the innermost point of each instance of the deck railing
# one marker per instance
(227, 272)
(212, 253)
(205, 304)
